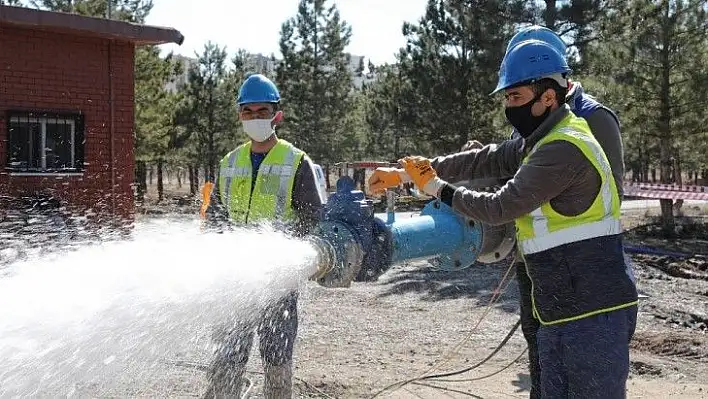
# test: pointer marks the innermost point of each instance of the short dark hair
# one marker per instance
(276, 107)
(542, 85)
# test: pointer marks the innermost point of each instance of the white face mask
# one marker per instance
(259, 130)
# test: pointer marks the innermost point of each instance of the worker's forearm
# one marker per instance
(306, 199)
(548, 173)
(482, 206)
(492, 161)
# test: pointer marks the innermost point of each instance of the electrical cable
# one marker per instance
(495, 296)
(494, 352)
(488, 375)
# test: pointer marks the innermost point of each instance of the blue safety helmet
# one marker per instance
(258, 89)
(537, 32)
(528, 61)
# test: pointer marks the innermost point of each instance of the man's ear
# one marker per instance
(277, 118)
(548, 98)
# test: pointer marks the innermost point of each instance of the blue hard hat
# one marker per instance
(538, 32)
(528, 61)
(258, 89)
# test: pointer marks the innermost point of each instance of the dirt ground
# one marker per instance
(413, 320)
(355, 342)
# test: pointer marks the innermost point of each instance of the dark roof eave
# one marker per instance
(112, 29)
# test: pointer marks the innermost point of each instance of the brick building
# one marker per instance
(67, 107)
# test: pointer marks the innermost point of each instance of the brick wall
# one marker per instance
(47, 71)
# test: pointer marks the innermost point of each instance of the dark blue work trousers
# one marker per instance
(587, 358)
(277, 329)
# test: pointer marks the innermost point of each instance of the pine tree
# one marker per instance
(315, 82)
(208, 110)
(390, 109)
(360, 68)
(124, 10)
(451, 60)
(657, 51)
(154, 112)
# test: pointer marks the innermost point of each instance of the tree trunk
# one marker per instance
(211, 156)
(550, 14)
(192, 185)
(645, 172)
(179, 177)
(327, 176)
(160, 188)
(396, 145)
(141, 179)
(665, 147)
(196, 179)
(150, 172)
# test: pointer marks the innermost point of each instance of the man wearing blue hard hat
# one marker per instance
(605, 126)
(602, 120)
(565, 204)
(265, 179)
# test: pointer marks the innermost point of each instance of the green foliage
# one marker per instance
(657, 53)
(645, 59)
(153, 105)
(449, 67)
(125, 10)
(207, 112)
(389, 110)
(315, 83)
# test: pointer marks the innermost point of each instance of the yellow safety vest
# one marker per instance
(271, 197)
(544, 228)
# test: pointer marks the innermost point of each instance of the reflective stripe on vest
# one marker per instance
(272, 193)
(544, 228)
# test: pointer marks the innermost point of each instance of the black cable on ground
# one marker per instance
(488, 375)
(425, 384)
(442, 375)
(494, 352)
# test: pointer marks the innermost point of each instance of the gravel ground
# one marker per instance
(354, 342)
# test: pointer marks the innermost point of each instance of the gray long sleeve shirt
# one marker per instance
(605, 126)
(557, 172)
(306, 200)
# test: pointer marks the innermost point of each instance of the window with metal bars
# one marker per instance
(44, 142)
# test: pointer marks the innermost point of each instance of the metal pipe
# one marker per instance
(439, 234)
(390, 206)
(425, 237)
(352, 242)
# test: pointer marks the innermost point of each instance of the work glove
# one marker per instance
(423, 175)
(384, 178)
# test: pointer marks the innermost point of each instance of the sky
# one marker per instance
(254, 25)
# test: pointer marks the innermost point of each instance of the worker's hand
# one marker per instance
(423, 175)
(384, 178)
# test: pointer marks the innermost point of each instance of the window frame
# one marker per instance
(77, 143)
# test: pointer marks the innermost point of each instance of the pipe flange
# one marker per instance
(501, 246)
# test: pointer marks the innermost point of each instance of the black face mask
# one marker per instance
(523, 120)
